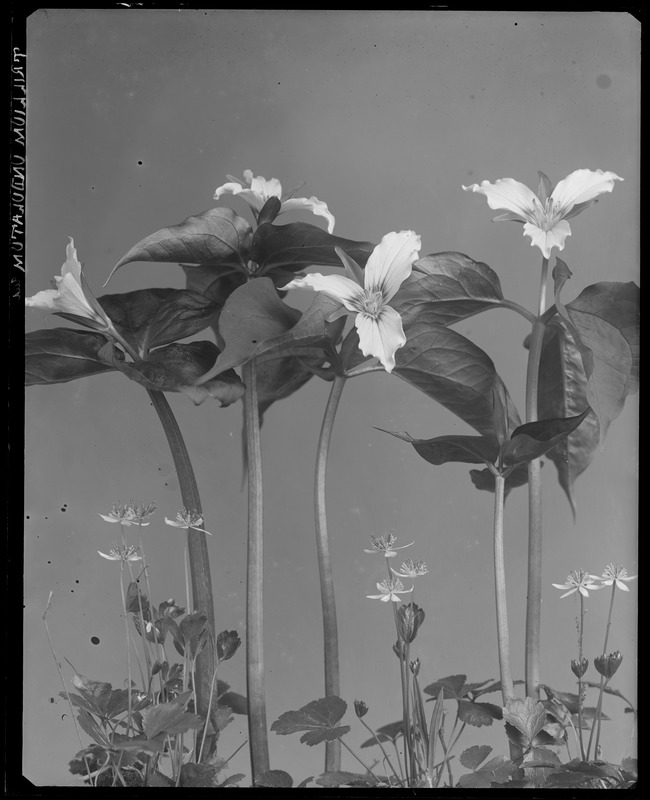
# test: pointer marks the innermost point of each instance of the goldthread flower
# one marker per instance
(606, 665)
(188, 519)
(72, 294)
(615, 573)
(579, 667)
(578, 581)
(389, 590)
(386, 545)
(367, 293)
(129, 514)
(257, 190)
(121, 553)
(360, 708)
(545, 215)
(411, 569)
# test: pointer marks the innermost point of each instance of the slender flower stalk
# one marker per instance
(330, 627)
(503, 635)
(580, 689)
(257, 731)
(534, 595)
(614, 576)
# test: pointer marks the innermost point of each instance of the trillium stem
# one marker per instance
(197, 547)
(257, 731)
(534, 597)
(580, 635)
(328, 601)
(503, 635)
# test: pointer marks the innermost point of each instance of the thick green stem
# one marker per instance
(503, 636)
(197, 549)
(534, 598)
(257, 732)
(328, 601)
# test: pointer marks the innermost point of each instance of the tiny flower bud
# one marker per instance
(579, 667)
(227, 644)
(607, 665)
(399, 649)
(409, 619)
(415, 667)
(360, 708)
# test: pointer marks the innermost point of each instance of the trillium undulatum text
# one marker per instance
(545, 214)
(257, 190)
(367, 293)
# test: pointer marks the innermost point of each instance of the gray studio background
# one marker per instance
(134, 118)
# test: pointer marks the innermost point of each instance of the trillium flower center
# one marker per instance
(548, 215)
(371, 303)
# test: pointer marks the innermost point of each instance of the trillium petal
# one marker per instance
(390, 263)
(337, 287)
(264, 188)
(381, 337)
(312, 204)
(622, 586)
(229, 188)
(545, 240)
(110, 558)
(581, 186)
(508, 194)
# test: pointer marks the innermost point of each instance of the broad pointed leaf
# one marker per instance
(299, 245)
(148, 318)
(606, 317)
(212, 282)
(255, 322)
(453, 371)
(96, 693)
(533, 439)
(318, 718)
(177, 368)
(563, 393)
(445, 449)
(444, 288)
(64, 354)
(475, 755)
(216, 236)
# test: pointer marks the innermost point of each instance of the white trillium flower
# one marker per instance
(368, 292)
(257, 190)
(72, 294)
(545, 215)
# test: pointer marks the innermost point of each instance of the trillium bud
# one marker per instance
(579, 667)
(360, 708)
(607, 665)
